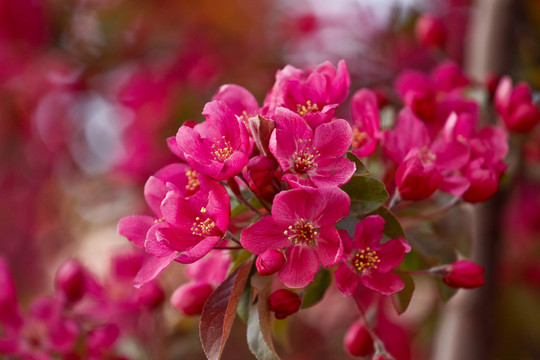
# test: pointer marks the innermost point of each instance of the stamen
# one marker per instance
(302, 233)
(222, 149)
(307, 108)
(359, 137)
(204, 227)
(305, 159)
(365, 260)
(193, 182)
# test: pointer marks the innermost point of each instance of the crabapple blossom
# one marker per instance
(302, 223)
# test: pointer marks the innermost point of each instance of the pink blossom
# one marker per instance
(515, 106)
(366, 123)
(314, 95)
(302, 223)
(217, 147)
(369, 262)
(311, 158)
(415, 180)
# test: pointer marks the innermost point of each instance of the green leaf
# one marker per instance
(315, 291)
(434, 249)
(445, 291)
(238, 209)
(259, 326)
(366, 193)
(220, 310)
(392, 227)
(361, 169)
(243, 306)
(403, 298)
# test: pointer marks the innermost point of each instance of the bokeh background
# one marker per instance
(91, 89)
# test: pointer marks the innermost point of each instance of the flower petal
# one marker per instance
(328, 246)
(347, 279)
(391, 254)
(152, 267)
(300, 267)
(134, 228)
(368, 232)
(263, 235)
(386, 284)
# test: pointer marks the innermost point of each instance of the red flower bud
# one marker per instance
(416, 181)
(431, 31)
(269, 262)
(260, 174)
(189, 298)
(464, 274)
(284, 302)
(358, 341)
(70, 280)
(523, 118)
(484, 181)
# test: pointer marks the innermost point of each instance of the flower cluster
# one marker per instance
(303, 202)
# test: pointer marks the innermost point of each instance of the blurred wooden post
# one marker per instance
(466, 330)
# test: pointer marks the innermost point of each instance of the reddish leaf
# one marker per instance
(220, 310)
(261, 129)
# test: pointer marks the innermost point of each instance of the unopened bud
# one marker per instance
(189, 298)
(269, 262)
(464, 274)
(70, 280)
(431, 31)
(358, 341)
(417, 181)
(284, 302)
(150, 295)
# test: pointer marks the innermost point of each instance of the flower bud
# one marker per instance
(150, 295)
(415, 180)
(284, 302)
(464, 274)
(260, 174)
(358, 341)
(523, 118)
(189, 298)
(484, 181)
(431, 31)
(270, 262)
(70, 280)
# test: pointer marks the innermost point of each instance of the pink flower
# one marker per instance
(415, 180)
(314, 95)
(186, 228)
(312, 158)
(302, 223)
(515, 106)
(217, 147)
(464, 274)
(369, 262)
(366, 123)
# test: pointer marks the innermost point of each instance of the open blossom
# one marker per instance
(217, 147)
(312, 158)
(366, 123)
(302, 223)
(313, 95)
(369, 262)
(186, 227)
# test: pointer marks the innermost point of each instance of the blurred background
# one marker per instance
(91, 89)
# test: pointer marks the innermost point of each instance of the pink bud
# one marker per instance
(523, 118)
(270, 262)
(464, 274)
(484, 181)
(284, 302)
(431, 31)
(189, 298)
(260, 173)
(415, 180)
(150, 295)
(70, 280)
(358, 341)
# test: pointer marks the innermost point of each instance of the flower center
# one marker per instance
(204, 227)
(193, 182)
(359, 137)
(221, 149)
(159, 220)
(307, 108)
(302, 233)
(305, 159)
(365, 260)
(426, 155)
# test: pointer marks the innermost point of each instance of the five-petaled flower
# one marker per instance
(369, 262)
(302, 222)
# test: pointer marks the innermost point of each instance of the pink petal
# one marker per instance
(154, 192)
(333, 172)
(386, 284)
(450, 155)
(328, 246)
(300, 267)
(134, 228)
(263, 235)
(198, 251)
(391, 254)
(151, 268)
(333, 138)
(347, 279)
(368, 232)
(365, 112)
(410, 132)
(237, 98)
